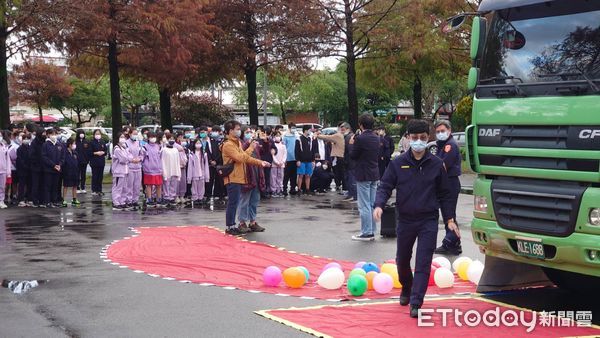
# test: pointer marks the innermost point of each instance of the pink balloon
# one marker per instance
(272, 276)
(332, 265)
(383, 283)
(359, 265)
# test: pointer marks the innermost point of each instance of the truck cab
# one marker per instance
(535, 135)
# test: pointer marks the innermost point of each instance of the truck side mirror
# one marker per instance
(472, 79)
(454, 23)
(478, 32)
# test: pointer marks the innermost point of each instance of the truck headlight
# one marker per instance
(595, 216)
(481, 204)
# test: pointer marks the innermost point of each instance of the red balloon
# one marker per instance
(436, 264)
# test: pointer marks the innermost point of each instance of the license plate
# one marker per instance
(530, 248)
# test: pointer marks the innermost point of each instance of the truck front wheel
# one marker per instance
(574, 282)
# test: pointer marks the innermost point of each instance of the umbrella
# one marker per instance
(45, 118)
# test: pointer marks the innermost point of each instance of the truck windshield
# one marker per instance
(548, 42)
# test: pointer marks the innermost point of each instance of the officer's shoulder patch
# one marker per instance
(447, 148)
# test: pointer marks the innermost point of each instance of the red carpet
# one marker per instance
(207, 255)
(389, 319)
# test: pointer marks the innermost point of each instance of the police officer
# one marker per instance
(449, 152)
(422, 184)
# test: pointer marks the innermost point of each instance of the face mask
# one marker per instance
(294, 130)
(81, 135)
(442, 136)
(198, 146)
(310, 134)
(146, 137)
(98, 137)
(325, 167)
(277, 139)
(170, 143)
(418, 145)
(53, 138)
(202, 135)
(152, 140)
(214, 135)
(122, 141)
(184, 144)
(318, 164)
(248, 137)
(26, 141)
(237, 133)
(20, 139)
(134, 137)
(73, 146)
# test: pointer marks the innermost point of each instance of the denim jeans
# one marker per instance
(351, 184)
(248, 204)
(366, 199)
(234, 191)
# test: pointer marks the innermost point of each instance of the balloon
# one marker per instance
(306, 273)
(436, 264)
(442, 261)
(475, 271)
(358, 271)
(357, 285)
(444, 278)
(370, 276)
(359, 264)
(370, 267)
(331, 279)
(392, 270)
(272, 276)
(462, 269)
(431, 275)
(294, 277)
(383, 283)
(332, 265)
(458, 261)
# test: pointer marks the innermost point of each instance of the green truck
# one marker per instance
(534, 141)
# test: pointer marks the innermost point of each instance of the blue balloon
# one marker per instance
(305, 270)
(370, 267)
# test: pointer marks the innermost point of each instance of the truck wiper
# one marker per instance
(563, 76)
(517, 91)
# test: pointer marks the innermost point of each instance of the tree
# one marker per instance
(137, 94)
(411, 52)
(463, 115)
(87, 99)
(25, 25)
(353, 23)
(37, 82)
(269, 32)
(325, 92)
(199, 109)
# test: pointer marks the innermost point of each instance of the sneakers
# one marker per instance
(363, 237)
(82, 191)
(414, 311)
(348, 199)
(449, 250)
(75, 202)
(94, 193)
(22, 204)
(3, 205)
(233, 231)
(118, 207)
(64, 204)
(254, 227)
(243, 228)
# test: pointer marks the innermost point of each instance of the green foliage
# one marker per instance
(199, 110)
(463, 112)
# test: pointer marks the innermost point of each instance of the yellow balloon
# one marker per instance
(370, 276)
(463, 267)
(392, 270)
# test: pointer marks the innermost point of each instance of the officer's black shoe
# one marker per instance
(414, 311)
(404, 300)
(453, 250)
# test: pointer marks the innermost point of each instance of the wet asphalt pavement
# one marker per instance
(88, 297)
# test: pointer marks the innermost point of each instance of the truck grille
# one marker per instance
(537, 206)
(540, 137)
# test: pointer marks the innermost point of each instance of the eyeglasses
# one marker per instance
(423, 138)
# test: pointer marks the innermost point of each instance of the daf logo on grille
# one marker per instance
(489, 132)
(589, 133)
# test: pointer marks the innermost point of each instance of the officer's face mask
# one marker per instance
(442, 136)
(418, 146)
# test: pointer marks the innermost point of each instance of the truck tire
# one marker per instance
(571, 281)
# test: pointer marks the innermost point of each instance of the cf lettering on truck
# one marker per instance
(534, 141)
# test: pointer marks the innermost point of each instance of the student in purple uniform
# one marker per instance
(70, 173)
(171, 167)
(181, 146)
(198, 171)
(5, 166)
(134, 179)
(152, 167)
(120, 170)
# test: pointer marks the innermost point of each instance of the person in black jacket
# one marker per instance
(83, 156)
(365, 152)
(422, 188)
(24, 172)
(97, 162)
(215, 186)
(322, 176)
(70, 173)
(306, 148)
(386, 150)
(35, 165)
(52, 156)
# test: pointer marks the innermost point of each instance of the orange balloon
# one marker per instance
(294, 277)
(370, 276)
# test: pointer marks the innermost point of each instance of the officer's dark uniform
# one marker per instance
(421, 188)
(52, 155)
(97, 163)
(449, 152)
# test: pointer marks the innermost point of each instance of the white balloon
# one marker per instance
(444, 278)
(459, 260)
(475, 271)
(443, 261)
(331, 279)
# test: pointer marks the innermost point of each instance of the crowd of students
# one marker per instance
(43, 169)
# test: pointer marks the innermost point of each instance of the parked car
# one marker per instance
(151, 127)
(459, 138)
(329, 131)
(182, 127)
